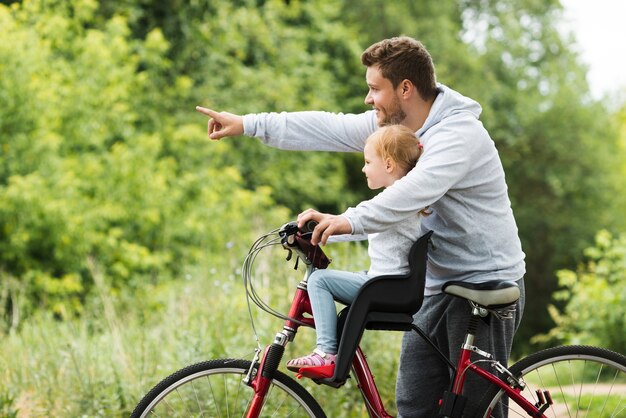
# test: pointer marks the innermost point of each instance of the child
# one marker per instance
(390, 153)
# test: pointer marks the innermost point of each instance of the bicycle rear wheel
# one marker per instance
(583, 381)
(215, 389)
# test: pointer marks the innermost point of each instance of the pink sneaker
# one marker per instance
(316, 365)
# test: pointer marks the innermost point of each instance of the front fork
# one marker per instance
(260, 377)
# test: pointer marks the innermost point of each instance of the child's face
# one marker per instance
(378, 172)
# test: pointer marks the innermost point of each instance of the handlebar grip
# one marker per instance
(299, 239)
(291, 228)
(309, 226)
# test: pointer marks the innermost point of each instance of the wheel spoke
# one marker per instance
(580, 390)
(226, 395)
(277, 406)
(584, 382)
(195, 392)
(183, 402)
(217, 407)
(239, 387)
(619, 409)
(560, 387)
(609, 393)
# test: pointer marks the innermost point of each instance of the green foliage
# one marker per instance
(263, 56)
(621, 120)
(594, 298)
(560, 148)
(85, 174)
(112, 200)
(282, 57)
(102, 364)
(7, 408)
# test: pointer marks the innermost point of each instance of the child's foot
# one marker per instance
(316, 364)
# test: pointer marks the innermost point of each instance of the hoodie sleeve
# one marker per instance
(446, 160)
(312, 130)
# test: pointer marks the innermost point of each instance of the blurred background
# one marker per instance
(598, 30)
(123, 229)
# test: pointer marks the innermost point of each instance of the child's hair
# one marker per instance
(401, 145)
(398, 143)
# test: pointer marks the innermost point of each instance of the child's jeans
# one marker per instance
(324, 287)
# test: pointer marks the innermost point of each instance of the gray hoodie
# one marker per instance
(459, 177)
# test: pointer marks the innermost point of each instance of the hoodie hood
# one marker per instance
(449, 103)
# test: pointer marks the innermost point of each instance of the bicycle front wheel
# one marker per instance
(215, 389)
(582, 381)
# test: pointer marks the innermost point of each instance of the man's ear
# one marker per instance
(406, 87)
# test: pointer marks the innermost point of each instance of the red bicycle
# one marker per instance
(566, 381)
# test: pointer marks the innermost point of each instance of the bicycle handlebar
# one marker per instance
(299, 240)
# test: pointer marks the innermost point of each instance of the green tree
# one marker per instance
(594, 296)
(557, 144)
(559, 147)
(90, 175)
(257, 56)
(89, 87)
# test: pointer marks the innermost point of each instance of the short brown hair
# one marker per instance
(403, 58)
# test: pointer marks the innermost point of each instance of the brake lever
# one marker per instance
(289, 228)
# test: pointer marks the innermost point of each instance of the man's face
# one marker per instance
(383, 98)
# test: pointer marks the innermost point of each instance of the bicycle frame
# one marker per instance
(300, 314)
(301, 306)
(464, 364)
(514, 394)
(576, 374)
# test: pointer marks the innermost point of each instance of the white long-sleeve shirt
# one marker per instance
(459, 177)
(388, 250)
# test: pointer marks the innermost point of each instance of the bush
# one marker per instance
(92, 175)
(594, 298)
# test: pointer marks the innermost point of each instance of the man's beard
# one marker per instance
(394, 115)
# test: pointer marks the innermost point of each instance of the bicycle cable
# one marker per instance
(246, 273)
(474, 363)
(267, 240)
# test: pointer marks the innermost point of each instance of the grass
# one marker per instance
(605, 407)
(103, 363)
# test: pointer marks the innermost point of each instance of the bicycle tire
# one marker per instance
(583, 381)
(215, 388)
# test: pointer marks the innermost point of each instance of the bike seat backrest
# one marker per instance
(387, 302)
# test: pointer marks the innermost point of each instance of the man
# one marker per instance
(459, 178)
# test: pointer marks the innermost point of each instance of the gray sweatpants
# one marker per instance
(423, 376)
